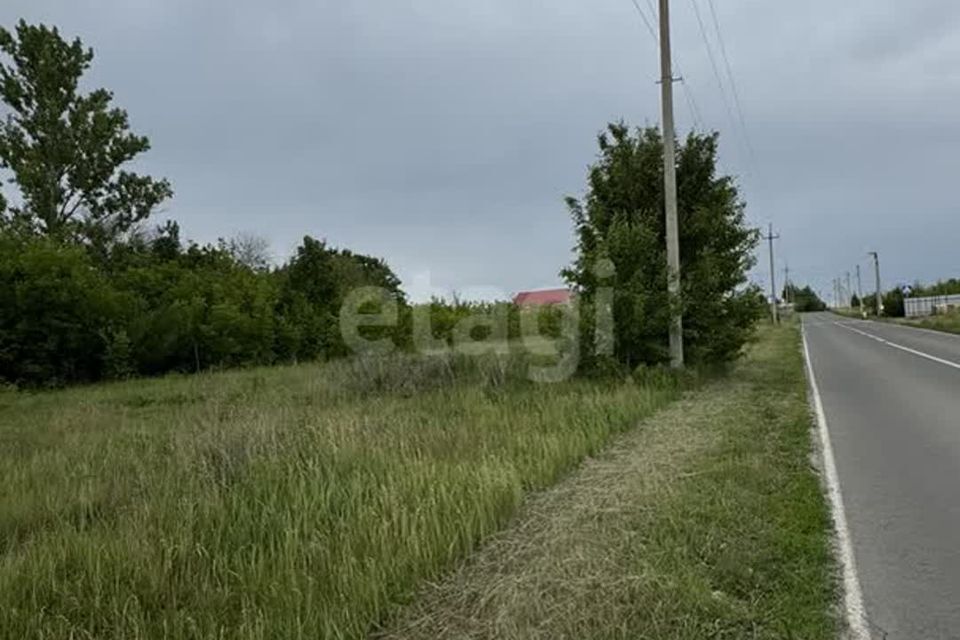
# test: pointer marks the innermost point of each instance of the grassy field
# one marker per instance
(708, 521)
(298, 502)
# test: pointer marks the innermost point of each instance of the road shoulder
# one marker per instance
(708, 520)
(854, 612)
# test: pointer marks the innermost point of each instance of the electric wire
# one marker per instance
(730, 77)
(713, 65)
(695, 114)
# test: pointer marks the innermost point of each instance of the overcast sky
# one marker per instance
(443, 134)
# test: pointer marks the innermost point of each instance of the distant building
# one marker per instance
(543, 298)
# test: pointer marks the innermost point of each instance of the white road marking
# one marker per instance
(910, 327)
(853, 596)
(948, 363)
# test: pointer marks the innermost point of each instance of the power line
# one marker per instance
(713, 63)
(646, 21)
(691, 103)
(695, 113)
(653, 11)
(730, 76)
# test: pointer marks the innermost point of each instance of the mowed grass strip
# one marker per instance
(946, 322)
(296, 502)
(708, 521)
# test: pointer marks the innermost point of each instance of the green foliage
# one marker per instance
(87, 296)
(72, 313)
(66, 149)
(941, 288)
(118, 356)
(893, 306)
(200, 310)
(622, 221)
(54, 309)
(805, 300)
(313, 287)
(447, 317)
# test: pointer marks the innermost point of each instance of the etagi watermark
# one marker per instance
(549, 358)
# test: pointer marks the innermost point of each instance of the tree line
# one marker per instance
(155, 304)
(90, 291)
(893, 299)
(804, 299)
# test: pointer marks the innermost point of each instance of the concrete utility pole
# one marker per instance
(670, 187)
(860, 290)
(849, 292)
(786, 284)
(773, 278)
(876, 269)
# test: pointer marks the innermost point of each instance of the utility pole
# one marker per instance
(849, 297)
(786, 283)
(876, 269)
(670, 188)
(773, 278)
(860, 290)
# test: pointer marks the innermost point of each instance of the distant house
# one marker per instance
(543, 298)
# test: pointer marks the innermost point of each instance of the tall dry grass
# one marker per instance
(296, 502)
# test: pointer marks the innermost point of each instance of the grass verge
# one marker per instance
(706, 522)
(945, 322)
(294, 502)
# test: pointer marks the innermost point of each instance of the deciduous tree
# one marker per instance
(66, 149)
(622, 220)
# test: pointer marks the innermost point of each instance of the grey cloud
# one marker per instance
(896, 31)
(443, 134)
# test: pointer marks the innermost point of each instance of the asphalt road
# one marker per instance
(891, 398)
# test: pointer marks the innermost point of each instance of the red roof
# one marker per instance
(538, 298)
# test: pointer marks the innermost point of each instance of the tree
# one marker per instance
(313, 287)
(57, 313)
(66, 149)
(622, 221)
(893, 305)
(249, 250)
(804, 300)
(941, 288)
